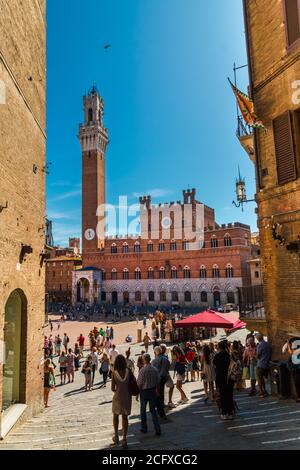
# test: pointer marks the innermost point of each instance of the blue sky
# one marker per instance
(168, 106)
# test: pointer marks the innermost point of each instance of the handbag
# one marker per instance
(51, 380)
(132, 385)
(245, 374)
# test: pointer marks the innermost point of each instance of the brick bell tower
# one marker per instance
(93, 138)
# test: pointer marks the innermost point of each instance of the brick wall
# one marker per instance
(22, 145)
(274, 68)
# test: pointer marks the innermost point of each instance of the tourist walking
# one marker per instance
(87, 370)
(104, 369)
(145, 322)
(122, 399)
(63, 363)
(224, 383)
(94, 356)
(190, 355)
(70, 365)
(148, 381)
(49, 380)
(111, 335)
(180, 370)
(77, 356)
(146, 341)
(81, 340)
(169, 381)
(113, 353)
(208, 373)
(250, 362)
(162, 364)
(129, 362)
(263, 364)
(66, 342)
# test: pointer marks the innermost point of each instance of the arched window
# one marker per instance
(103, 296)
(214, 242)
(151, 296)
(215, 271)
(137, 247)
(114, 274)
(187, 296)
(138, 296)
(125, 248)
(203, 296)
(114, 248)
(186, 272)
(174, 296)
(203, 273)
(150, 247)
(229, 271)
(185, 245)
(227, 240)
(150, 273)
(230, 297)
(103, 275)
(162, 273)
(173, 246)
(125, 274)
(90, 115)
(163, 296)
(137, 274)
(174, 273)
(161, 246)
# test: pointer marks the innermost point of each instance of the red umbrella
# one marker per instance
(208, 319)
(237, 323)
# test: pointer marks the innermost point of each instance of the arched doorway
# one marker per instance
(126, 297)
(230, 297)
(15, 332)
(114, 297)
(217, 298)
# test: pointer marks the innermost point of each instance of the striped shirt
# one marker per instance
(148, 377)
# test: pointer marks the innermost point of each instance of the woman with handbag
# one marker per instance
(87, 371)
(122, 399)
(49, 380)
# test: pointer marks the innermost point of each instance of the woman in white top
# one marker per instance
(208, 372)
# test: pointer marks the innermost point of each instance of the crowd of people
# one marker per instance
(223, 368)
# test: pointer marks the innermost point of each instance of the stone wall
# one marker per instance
(22, 175)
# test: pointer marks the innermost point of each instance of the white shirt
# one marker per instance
(94, 359)
(113, 354)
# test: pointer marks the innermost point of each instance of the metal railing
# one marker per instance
(242, 129)
(251, 302)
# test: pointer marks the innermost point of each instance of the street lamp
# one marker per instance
(240, 189)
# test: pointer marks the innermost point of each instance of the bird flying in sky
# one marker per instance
(106, 46)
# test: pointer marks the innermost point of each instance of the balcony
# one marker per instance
(246, 137)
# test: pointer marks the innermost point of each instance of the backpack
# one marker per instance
(234, 370)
